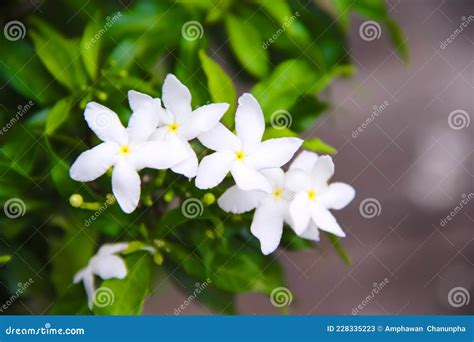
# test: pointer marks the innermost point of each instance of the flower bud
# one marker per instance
(76, 200)
(208, 199)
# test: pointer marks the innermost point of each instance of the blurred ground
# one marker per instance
(410, 160)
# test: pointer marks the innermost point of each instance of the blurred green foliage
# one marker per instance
(286, 52)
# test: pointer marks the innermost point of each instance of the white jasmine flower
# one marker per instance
(271, 209)
(244, 154)
(179, 121)
(126, 149)
(106, 264)
(308, 178)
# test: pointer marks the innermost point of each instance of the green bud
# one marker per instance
(168, 197)
(102, 95)
(210, 234)
(76, 200)
(158, 258)
(208, 198)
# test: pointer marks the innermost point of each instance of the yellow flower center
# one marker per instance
(124, 150)
(173, 127)
(312, 194)
(277, 193)
(240, 155)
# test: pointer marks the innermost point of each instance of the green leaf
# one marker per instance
(338, 247)
(398, 40)
(127, 295)
(245, 271)
(21, 69)
(174, 218)
(90, 48)
(220, 86)
(58, 114)
(247, 46)
(4, 259)
(317, 145)
(61, 56)
(290, 80)
(72, 302)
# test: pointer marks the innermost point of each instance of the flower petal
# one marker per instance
(145, 120)
(267, 227)
(213, 168)
(109, 266)
(93, 163)
(238, 201)
(274, 152)
(105, 124)
(126, 186)
(203, 119)
(323, 170)
(247, 178)
(176, 97)
(337, 196)
(159, 154)
(297, 180)
(311, 233)
(275, 176)
(305, 161)
(300, 212)
(249, 121)
(188, 167)
(112, 248)
(325, 220)
(137, 99)
(87, 278)
(220, 139)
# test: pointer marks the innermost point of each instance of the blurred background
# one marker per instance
(409, 160)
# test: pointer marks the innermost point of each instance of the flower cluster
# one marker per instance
(158, 137)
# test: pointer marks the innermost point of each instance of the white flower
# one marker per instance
(106, 264)
(308, 178)
(244, 154)
(126, 149)
(178, 120)
(271, 209)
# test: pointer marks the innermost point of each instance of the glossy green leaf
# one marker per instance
(4, 259)
(220, 86)
(247, 46)
(90, 48)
